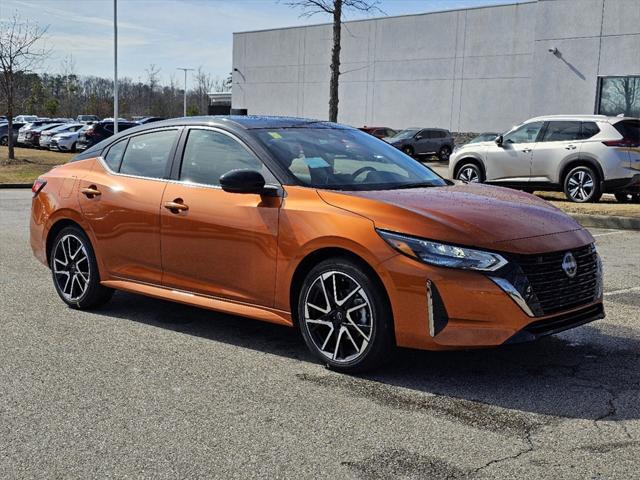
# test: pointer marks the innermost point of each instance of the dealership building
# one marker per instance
(470, 70)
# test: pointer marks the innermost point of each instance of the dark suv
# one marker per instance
(424, 141)
(98, 132)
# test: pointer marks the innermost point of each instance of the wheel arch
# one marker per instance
(315, 257)
(57, 228)
(581, 161)
(469, 159)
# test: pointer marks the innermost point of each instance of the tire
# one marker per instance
(4, 141)
(470, 173)
(444, 153)
(354, 333)
(408, 151)
(73, 147)
(72, 246)
(582, 184)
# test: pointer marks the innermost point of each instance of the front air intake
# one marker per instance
(437, 313)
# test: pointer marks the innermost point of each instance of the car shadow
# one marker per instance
(591, 372)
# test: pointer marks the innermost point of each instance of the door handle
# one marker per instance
(91, 191)
(176, 206)
(526, 150)
(570, 147)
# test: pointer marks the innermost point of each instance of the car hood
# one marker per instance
(483, 216)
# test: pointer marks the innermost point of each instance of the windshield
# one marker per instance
(344, 159)
(409, 132)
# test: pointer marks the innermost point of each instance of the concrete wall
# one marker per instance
(466, 70)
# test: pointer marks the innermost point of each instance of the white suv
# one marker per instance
(582, 155)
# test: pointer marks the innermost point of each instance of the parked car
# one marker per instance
(379, 132)
(145, 120)
(48, 134)
(27, 127)
(345, 257)
(66, 141)
(87, 118)
(4, 133)
(582, 155)
(424, 141)
(98, 132)
(25, 118)
(32, 136)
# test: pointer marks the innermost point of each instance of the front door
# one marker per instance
(424, 142)
(120, 199)
(215, 242)
(511, 161)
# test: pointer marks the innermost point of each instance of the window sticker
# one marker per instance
(316, 162)
(275, 135)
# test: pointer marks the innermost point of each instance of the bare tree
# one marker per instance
(335, 8)
(20, 54)
(204, 84)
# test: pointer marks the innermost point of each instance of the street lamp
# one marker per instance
(115, 66)
(184, 107)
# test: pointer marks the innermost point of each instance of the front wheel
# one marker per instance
(470, 173)
(344, 316)
(582, 185)
(444, 153)
(75, 270)
(407, 151)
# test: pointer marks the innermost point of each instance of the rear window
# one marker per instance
(589, 129)
(561, 131)
(629, 129)
(147, 154)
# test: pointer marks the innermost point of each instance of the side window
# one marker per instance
(589, 129)
(114, 155)
(108, 127)
(147, 154)
(525, 134)
(209, 154)
(424, 134)
(562, 132)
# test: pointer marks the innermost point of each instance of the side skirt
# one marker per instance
(265, 314)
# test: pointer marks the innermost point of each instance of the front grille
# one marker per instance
(553, 288)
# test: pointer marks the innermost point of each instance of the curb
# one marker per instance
(606, 221)
(15, 185)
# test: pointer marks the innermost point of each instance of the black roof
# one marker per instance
(249, 122)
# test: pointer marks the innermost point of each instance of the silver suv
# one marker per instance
(582, 155)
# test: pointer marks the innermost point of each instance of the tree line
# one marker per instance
(67, 94)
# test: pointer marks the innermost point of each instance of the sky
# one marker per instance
(172, 33)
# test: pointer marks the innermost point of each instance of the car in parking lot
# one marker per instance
(424, 141)
(47, 134)
(379, 132)
(32, 135)
(4, 132)
(99, 131)
(582, 155)
(87, 118)
(66, 141)
(316, 225)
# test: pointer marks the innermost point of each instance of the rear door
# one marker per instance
(214, 242)
(120, 198)
(559, 144)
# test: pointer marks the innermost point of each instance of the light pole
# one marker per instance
(115, 66)
(184, 103)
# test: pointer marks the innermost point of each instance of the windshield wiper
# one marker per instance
(416, 185)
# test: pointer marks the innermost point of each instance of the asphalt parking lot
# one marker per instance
(148, 389)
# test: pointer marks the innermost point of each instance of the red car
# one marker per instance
(379, 132)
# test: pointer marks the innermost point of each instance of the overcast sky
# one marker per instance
(172, 33)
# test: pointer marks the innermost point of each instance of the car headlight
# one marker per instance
(442, 254)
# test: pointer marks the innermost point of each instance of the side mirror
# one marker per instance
(499, 140)
(242, 181)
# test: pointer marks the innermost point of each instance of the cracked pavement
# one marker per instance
(148, 389)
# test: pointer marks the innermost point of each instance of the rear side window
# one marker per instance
(562, 131)
(114, 155)
(629, 129)
(589, 129)
(147, 155)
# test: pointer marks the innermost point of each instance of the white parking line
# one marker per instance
(608, 233)
(624, 290)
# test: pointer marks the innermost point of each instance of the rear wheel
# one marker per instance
(344, 317)
(75, 270)
(444, 153)
(582, 185)
(470, 173)
(4, 141)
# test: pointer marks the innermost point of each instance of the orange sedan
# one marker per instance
(314, 225)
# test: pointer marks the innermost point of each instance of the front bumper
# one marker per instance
(442, 309)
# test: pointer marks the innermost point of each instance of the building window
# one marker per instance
(619, 95)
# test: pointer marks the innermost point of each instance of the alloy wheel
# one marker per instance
(338, 317)
(71, 268)
(580, 185)
(469, 174)
(444, 154)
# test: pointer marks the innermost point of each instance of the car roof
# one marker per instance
(594, 118)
